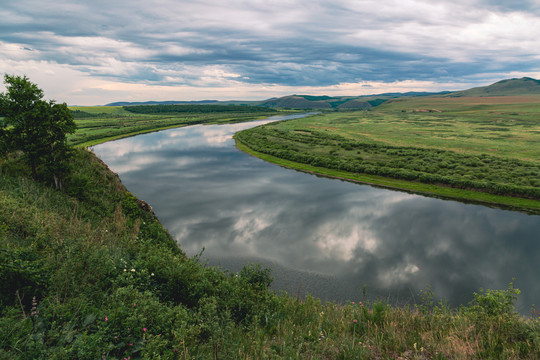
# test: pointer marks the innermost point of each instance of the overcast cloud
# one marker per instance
(96, 52)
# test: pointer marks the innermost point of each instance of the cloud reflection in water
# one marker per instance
(325, 236)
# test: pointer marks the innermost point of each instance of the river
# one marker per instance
(330, 238)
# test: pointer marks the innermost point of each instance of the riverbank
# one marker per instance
(474, 197)
(453, 154)
(99, 124)
(341, 231)
(93, 274)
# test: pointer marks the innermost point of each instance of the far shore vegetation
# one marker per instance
(98, 124)
(484, 150)
(87, 271)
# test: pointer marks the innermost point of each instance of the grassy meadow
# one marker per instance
(477, 149)
(90, 273)
(97, 124)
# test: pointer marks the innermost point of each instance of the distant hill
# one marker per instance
(356, 104)
(319, 102)
(508, 87)
(337, 102)
(126, 103)
(296, 102)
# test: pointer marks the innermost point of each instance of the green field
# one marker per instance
(478, 149)
(97, 124)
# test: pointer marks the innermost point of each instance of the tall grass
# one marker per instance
(90, 273)
(476, 151)
(104, 123)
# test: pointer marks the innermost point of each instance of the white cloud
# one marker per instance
(101, 52)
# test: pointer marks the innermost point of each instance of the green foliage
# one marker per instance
(107, 123)
(105, 256)
(79, 114)
(495, 302)
(92, 274)
(256, 276)
(23, 274)
(199, 109)
(302, 142)
(35, 127)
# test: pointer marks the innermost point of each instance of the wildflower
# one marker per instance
(134, 304)
(355, 321)
(125, 270)
(144, 329)
(152, 274)
(34, 307)
(132, 270)
(106, 318)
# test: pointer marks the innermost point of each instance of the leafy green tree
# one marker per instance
(36, 127)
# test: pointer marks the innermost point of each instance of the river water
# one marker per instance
(333, 239)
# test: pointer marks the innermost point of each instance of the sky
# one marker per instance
(101, 51)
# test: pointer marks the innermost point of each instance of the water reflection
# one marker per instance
(322, 236)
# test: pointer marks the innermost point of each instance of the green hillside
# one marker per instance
(508, 87)
(321, 102)
(90, 273)
(296, 102)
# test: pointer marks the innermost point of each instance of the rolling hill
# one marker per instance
(127, 103)
(321, 102)
(508, 87)
(296, 102)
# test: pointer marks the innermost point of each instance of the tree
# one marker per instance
(36, 127)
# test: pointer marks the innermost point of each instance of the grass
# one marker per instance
(443, 192)
(477, 149)
(91, 274)
(99, 124)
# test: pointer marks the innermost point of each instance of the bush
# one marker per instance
(495, 302)
(23, 275)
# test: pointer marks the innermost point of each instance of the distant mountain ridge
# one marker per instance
(297, 102)
(337, 102)
(508, 87)
(127, 103)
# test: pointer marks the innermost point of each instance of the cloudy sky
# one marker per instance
(100, 51)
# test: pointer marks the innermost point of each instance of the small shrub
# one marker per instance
(23, 274)
(258, 277)
(495, 302)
